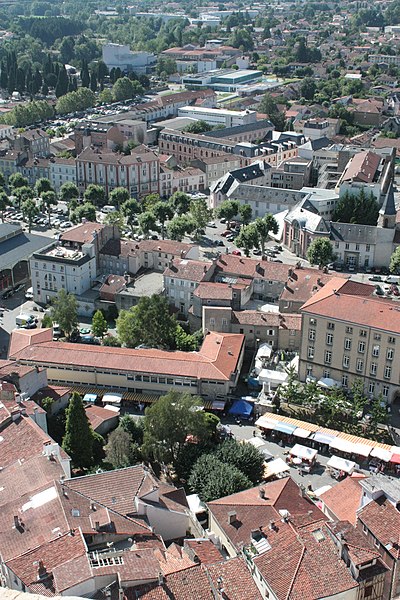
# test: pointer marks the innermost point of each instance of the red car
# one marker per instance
(226, 232)
(237, 253)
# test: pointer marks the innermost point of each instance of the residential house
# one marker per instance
(181, 278)
(35, 142)
(62, 170)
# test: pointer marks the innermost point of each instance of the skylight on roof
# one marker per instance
(318, 535)
(40, 499)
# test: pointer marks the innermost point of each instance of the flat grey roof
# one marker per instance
(145, 285)
(20, 247)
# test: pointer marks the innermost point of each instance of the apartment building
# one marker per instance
(33, 141)
(58, 267)
(181, 278)
(350, 334)
(61, 170)
(138, 171)
(367, 171)
(212, 372)
(122, 57)
(216, 167)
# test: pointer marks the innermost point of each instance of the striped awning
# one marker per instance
(128, 396)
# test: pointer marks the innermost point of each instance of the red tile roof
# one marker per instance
(173, 559)
(213, 291)
(237, 581)
(383, 520)
(81, 234)
(21, 338)
(359, 547)
(362, 167)
(217, 358)
(303, 283)
(205, 551)
(57, 552)
(343, 499)
(334, 302)
(192, 270)
(251, 268)
(98, 415)
(137, 565)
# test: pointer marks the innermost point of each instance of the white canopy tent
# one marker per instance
(328, 382)
(276, 467)
(341, 464)
(381, 454)
(303, 452)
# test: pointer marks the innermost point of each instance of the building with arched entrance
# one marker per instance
(16, 248)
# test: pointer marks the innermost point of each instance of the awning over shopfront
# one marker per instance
(382, 454)
(91, 398)
(265, 423)
(323, 438)
(284, 427)
(342, 445)
(301, 433)
(218, 405)
(276, 467)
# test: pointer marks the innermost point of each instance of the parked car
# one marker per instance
(257, 252)
(375, 278)
(211, 224)
(226, 233)
(219, 243)
(379, 291)
(237, 253)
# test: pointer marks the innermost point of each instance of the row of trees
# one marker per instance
(335, 408)
(176, 432)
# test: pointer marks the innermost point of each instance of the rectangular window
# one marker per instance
(389, 354)
(359, 365)
(347, 246)
(357, 246)
(375, 350)
(349, 330)
(310, 352)
(328, 357)
(373, 369)
(367, 248)
(391, 340)
(327, 374)
(346, 361)
(387, 373)
(311, 334)
(345, 380)
(385, 391)
(347, 344)
(361, 347)
(371, 387)
(329, 339)
(331, 325)
(377, 336)
(363, 333)
(313, 321)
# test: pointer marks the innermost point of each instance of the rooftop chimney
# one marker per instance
(16, 521)
(232, 517)
(41, 571)
(261, 493)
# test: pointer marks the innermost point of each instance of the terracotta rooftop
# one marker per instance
(81, 234)
(205, 551)
(213, 291)
(217, 358)
(333, 301)
(362, 167)
(98, 415)
(237, 582)
(303, 283)
(68, 547)
(250, 268)
(360, 548)
(344, 499)
(383, 521)
(192, 270)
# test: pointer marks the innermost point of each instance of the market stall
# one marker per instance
(276, 469)
(242, 409)
(303, 457)
(340, 467)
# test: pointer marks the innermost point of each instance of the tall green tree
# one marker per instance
(42, 185)
(168, 422)
(200, 214)
(180, 226)
(64, 311)
(130, 209)
(395, 261)
(68, 192)
(29, 211)
(245, 213)
(248, 238)
(163, 211)
(99, 324)
(119, 451)
(361, 208)
(85, 77)
(227, 210)
(48, 200)
(180, 202)
(3, 203)
(149, 322)
(16, 180)
(320, 252)
(264, 226)
(147, 222)
(244, 457)
(211, 478)
(78, 438)
(95, 195)
(23, 193)
(118, 196)
(83, 211)
(62, 82)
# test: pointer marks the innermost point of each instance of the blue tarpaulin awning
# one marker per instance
(90, 398)
(241, 408)
(284, 427)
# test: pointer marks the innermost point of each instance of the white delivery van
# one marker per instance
(108, 209)
(392, 279)
(22, 319)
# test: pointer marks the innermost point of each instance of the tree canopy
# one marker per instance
(211, 478)
(64, 311)
(78, 438)
(320, 252)
(361, 208)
